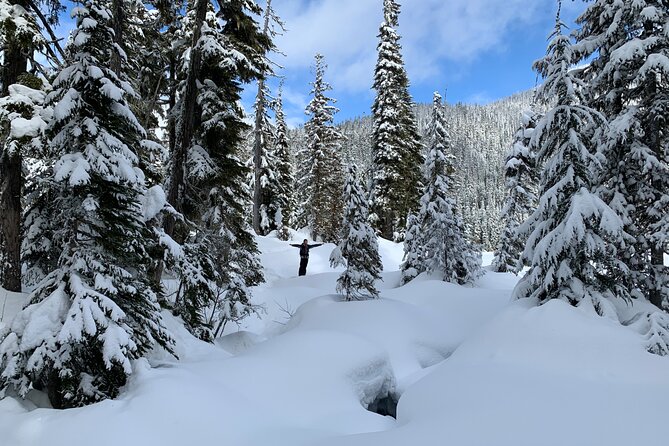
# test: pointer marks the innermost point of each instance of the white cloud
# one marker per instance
(433, 32)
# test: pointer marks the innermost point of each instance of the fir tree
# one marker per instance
(358, 248)
(325, 169)
(397, 149)
(574, 236)
(24, 119)
(282, 207)
(628, 83)
(412, 264)
(19, 39)
(147, 50)
(444, 249)
(100, 307)
(207, 174)
(521, 180)
(266, 183)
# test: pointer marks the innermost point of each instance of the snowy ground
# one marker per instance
(469, 368)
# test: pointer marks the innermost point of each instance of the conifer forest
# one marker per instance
(492, 273)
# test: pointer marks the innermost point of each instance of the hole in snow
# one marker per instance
(385, 405)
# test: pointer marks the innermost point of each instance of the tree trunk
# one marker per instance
(657, 265)
(186, 124)
(117, 26)
(257, 156)
(11, 178)
(258, 142)
(11, 182)
(656, 251)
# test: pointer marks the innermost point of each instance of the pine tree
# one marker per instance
(397, 149)
(266, 183)
(628, 83)
(282, 207)
(412, 264)
(445, 250)
(574, 236)
(325, 169)
(358, 248)
(99, 304)
(207, 175)
(302, 170)
(521, 180)
(147, 49)
(19, 39)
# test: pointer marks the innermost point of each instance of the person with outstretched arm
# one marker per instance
(304, 254)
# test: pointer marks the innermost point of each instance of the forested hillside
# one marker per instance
(480, 135)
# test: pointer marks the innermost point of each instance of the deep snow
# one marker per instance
(472, 368)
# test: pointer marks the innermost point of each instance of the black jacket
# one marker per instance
(304, 249)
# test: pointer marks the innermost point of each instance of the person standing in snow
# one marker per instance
(304, 254)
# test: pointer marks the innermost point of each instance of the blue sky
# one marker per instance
(480, 50)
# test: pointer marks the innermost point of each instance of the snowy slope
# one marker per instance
(468, 366)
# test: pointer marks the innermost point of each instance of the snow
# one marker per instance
(470, 367)
(153, 202)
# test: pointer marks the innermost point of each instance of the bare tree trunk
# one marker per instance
(10, 218)
(11, 178)
(186, 124)
(257, 155)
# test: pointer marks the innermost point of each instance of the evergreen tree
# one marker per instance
(100, 307)
(574, 236)
(302, 171)
(282, 207)
(266, 183)
(444, 249)
(19, 39)
(628, 84)
(358, 248)
(413, 263)
(325, 169)
(397, 149)
(264, 163)
(147, 50)
(521, 181)
(207, 175)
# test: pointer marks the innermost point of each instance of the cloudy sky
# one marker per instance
(479, 50)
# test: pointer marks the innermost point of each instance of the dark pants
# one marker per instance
(303, 265)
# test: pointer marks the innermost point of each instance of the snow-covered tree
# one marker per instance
(574, 236)
(628, 82)
(325, 179)
(265, 184)
(282, 207)
(358, 248)
(147, 47)
(412, 264)
(100, 309)
(397, 150)
(23, 121)
(20, 37)
(264, 163)
(227, 49)
(445, 251)
(521, 176)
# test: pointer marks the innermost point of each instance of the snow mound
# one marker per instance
(549, 375)
(411, 337)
